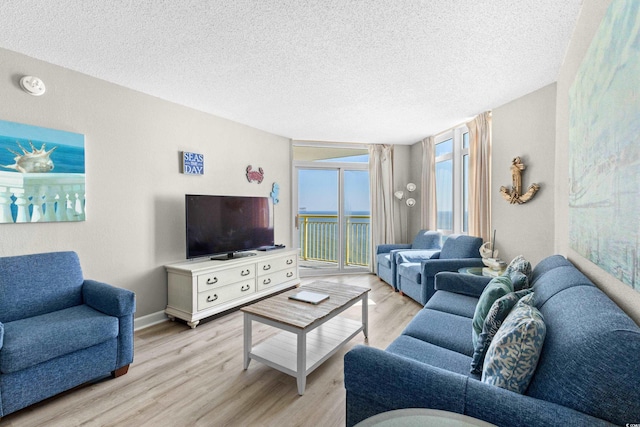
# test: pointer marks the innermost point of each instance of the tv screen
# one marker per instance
(219, 225)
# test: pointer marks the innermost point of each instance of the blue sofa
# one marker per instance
(415, 276)
(58, 330)
(587, 374)
(426, 241)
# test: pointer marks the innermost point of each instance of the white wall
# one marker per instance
(590, 17)
(135, 193)
(524, 127)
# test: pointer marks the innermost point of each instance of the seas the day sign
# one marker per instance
(192, 163)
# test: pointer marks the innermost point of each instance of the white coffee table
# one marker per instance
(311, 333)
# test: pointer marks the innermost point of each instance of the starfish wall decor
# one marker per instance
(515, 196)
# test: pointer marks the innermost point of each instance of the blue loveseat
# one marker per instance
(587, 374)
(58, 330)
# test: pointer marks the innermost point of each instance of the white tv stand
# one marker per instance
(201, 288)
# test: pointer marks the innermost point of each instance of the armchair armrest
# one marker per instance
(377, 381)
(465, 284)
(432, 266)
(415, 255)
(386, 248)
(108, 299)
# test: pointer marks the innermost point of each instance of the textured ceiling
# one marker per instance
(369, 71)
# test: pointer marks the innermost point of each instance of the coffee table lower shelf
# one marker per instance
(282, 351)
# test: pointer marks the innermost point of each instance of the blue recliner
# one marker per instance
(426, 242)
(58, 330)
(415, 278)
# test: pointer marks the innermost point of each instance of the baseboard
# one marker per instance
(149, 320)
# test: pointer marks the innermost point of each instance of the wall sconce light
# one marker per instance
(32, 85)
(411, 202)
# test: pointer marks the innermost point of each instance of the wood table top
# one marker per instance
(301, 314)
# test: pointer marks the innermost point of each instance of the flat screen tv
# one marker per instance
(222, 226)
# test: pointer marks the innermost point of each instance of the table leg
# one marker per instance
(247, 340)
(301, 368)
(365, 315)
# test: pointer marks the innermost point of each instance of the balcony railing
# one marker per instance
(41, 197)
(319, 238)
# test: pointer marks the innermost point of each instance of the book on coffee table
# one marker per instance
(310, 297)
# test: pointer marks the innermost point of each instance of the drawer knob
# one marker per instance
(289, 261)
(266, 267)
(245, 288)
(245, 272)
(289, 274)
(266, 281)
(215, 297)
(212, 282)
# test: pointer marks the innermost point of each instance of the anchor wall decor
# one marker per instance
(515, 196)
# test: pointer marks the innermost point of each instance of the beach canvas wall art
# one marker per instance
(42, 174)
(604, 146)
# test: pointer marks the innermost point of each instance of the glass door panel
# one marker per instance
(332, 220)
(317, 219)
(356, 219)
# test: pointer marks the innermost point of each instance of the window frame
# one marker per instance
(457, 155)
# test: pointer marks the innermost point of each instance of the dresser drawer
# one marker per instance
(219, 278)
(223, 294)
(276, 278)
(276, 264)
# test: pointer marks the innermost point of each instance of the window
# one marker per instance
(452, 180)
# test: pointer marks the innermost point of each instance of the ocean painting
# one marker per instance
(42, 174)
(604, 146)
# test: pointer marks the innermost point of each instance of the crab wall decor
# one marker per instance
(515, 196)
(252, 175)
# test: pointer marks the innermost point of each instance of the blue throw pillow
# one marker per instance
(496, 315)
(519, 271)
(514, 352)
(496, 288)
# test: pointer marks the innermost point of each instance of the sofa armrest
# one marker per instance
(465, 284)
(378, 381)
(108, 299)
(386, 248)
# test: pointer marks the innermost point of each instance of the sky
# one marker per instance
(318, 190)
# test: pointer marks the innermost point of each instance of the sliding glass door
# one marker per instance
(332, 226)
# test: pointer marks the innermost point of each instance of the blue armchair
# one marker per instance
(415, 279)
(58, 330)
(386, 260)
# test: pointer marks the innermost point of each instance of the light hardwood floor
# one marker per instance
(194, 377)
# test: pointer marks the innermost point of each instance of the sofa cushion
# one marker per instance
(548, 264)
(498, 312)
(449, 302)
(31, 285)
(410, 270)
(551, 284)
(384, 259)
(427, 240)
(497, 288)
(34, 340)
(514, 351)
(589, 361)
(461, 246)
(446, 330)
(430, 354)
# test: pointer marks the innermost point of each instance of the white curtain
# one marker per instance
(381, 187)
(480, 176)
(429, 206)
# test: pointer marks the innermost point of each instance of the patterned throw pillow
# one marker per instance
(515, 349)
(496, 315)
(496, 288)
(519, 271)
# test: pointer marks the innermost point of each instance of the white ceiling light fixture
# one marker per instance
(32, 85)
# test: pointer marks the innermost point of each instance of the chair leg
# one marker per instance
(120, 371)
